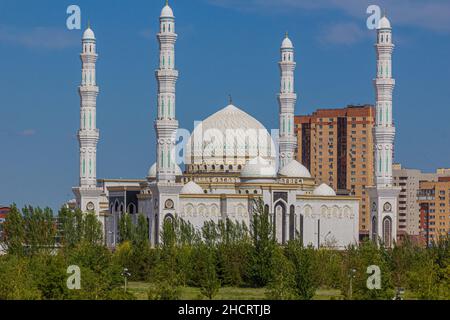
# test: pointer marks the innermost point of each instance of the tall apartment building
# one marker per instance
(434, 204)
(336, 145)
(408, 205)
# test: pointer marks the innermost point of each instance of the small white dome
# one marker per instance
(324, 190)
(192, 188)
(287, 43)
(152, 171)
(88, 34)
(295, 169)
(384, 23)
(167, 12)
(258, 168)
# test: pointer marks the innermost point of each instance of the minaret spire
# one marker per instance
(88, 194)
(287, 100)
(384, 195)
(166, 124)
(88, 135)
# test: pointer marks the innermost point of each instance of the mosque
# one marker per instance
(229, 160)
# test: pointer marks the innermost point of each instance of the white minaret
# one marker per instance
(165, 190)
(88, 135)
(88, 194)
(384, 195)
(166, 124)
(287, 99)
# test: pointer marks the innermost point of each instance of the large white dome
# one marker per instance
(295, 169)
(324, 190)
(229, 137)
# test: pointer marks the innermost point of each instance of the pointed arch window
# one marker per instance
(84, 167)
(387, 231)
(90, 166)
(90, 119)
(162, 108)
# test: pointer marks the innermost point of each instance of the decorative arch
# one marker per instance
(202, 212)
(308, 211)
(215, 211)
(335, 212)
(387, 231)
(323, 211)
(348, 213)
(240, 210)
(292, 229)
(189, 210)
(131, 208)
(280, 221)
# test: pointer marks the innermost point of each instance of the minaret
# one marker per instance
(384, 195)
(88, 195)
(287, 99)
(166, 124)
(88, 135)
(165, 190)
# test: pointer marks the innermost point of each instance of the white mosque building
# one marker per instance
(230, 160)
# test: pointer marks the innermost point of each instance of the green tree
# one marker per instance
(263, 240)
(359, 258)
(281, 285)
(92, 229)
(70, 231)
(205, 267)
(126, 228)
(141, 231)
(304, 269)
(14, 232)
(16, 279)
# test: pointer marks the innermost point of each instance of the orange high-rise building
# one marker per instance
(336, 145)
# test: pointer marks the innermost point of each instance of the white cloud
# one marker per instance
(432, 15)
(39, 37)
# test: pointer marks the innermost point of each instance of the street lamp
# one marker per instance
(126, 274)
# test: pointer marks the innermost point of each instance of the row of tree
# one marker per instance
(40, 248)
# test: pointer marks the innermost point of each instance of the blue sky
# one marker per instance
(224, 46)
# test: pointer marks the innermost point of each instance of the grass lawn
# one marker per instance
(139, 289)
